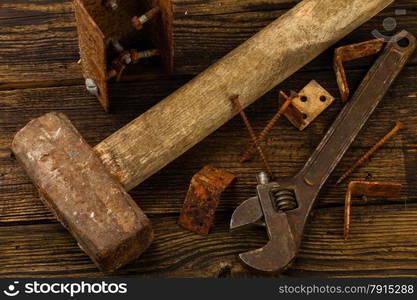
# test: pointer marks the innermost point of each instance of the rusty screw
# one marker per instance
(129, 57)
(364, 157)
(116, 45)
(268, 127)
(235, 100)
(138, 22)
(112, 4)
(91, 86)
(138, 55)
(124, 56)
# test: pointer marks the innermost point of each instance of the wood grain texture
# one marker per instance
(39, 40)
(38, 43)
(32, 243)
(381, 244)
(170, 128)
(164, 192)
(204, 31)
(93, 50)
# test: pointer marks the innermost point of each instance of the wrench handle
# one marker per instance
(357, 111)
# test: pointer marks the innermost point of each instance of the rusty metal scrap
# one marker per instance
(349, 53)
(268, 127)
(374, 148)
(308, 104)
(202, 199)
(366, 188)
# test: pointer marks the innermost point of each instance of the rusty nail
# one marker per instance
(235, 100)
(268, 127)
(138, 22)
(374, 148)
(366, 188)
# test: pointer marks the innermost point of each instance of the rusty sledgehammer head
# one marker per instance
(84, 196)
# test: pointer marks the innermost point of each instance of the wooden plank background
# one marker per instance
(39, 73)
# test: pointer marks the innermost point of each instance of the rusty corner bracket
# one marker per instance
(104, 26)
(308, 104)
(202, 199)
(367, 188)
(349, 53)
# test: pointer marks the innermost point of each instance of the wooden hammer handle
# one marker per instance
(167, 130)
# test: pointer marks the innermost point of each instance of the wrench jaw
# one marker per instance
(249, 212)
(246, 214)
(281, 248)
(278, 253)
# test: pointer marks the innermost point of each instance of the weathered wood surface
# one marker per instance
(383, 232)
(213, 28)
(39, 39)
(38, 43)
(382, 243)
(170, 128)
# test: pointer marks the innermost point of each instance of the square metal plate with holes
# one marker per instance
(309, 103)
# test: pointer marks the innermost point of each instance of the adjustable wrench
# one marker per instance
(286, 204)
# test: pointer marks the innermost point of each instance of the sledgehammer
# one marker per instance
(86, 188)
